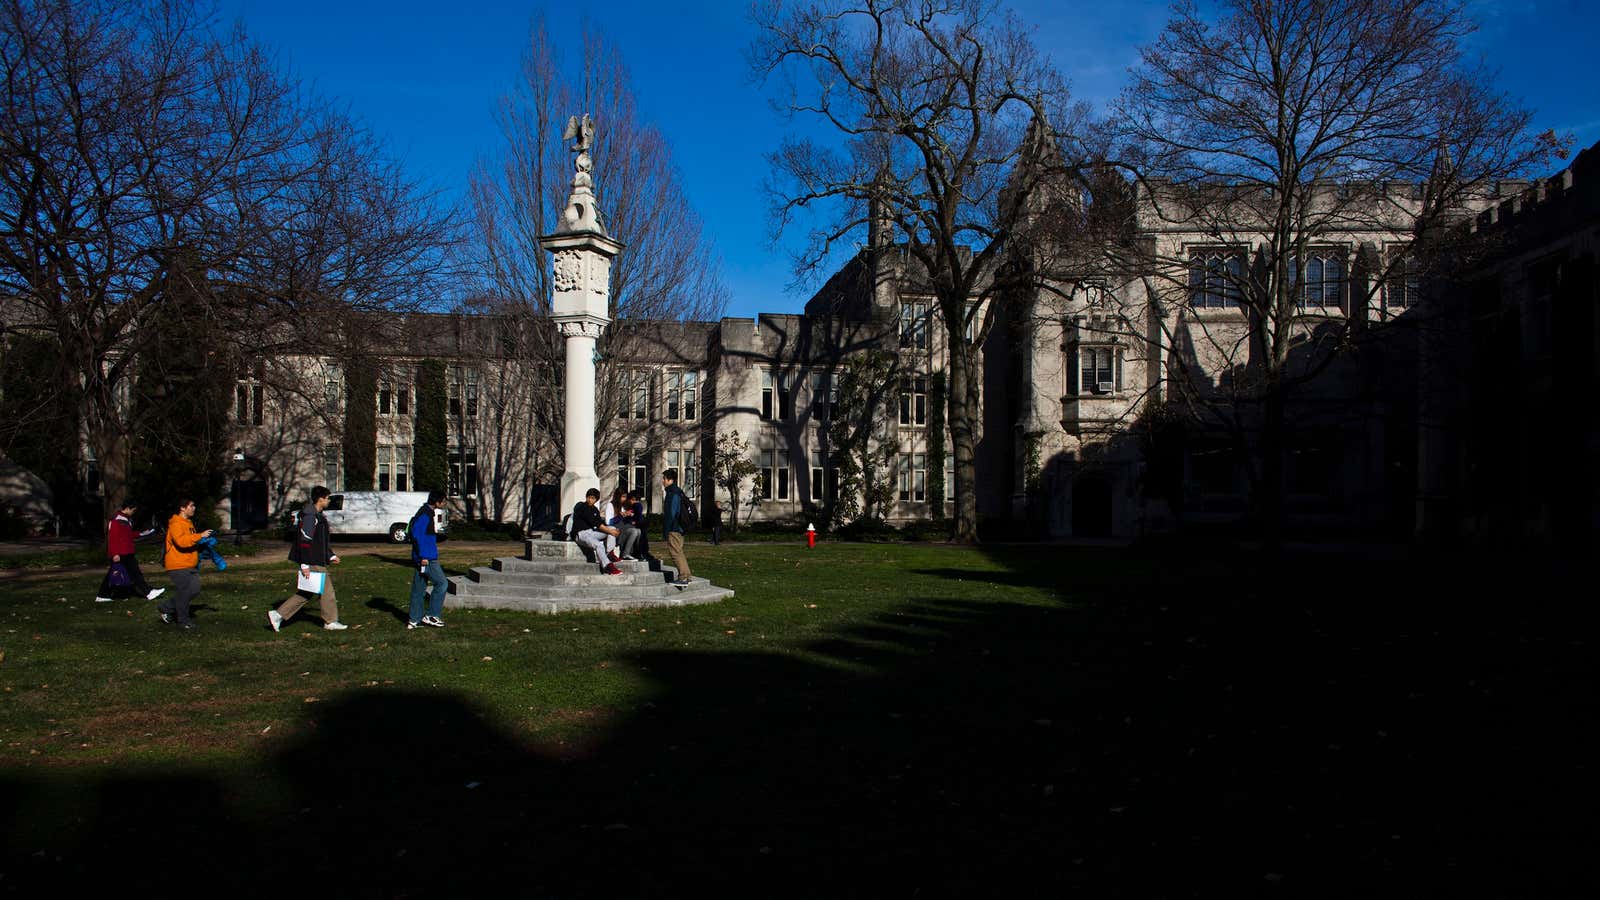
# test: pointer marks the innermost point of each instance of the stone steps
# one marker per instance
(686, 597)
(556, 576)
(587, 578)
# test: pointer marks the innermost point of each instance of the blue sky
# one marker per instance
(426, 76)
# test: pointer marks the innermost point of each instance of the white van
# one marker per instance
(379, 512)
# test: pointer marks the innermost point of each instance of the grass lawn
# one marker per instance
(861, 720)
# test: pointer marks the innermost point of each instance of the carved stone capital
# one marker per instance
(581, 328)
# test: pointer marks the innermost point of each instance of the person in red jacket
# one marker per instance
(119, 547)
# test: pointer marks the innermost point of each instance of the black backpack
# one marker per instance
(688, 516)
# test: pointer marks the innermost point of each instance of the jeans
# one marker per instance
(595, 540)
(419, 591)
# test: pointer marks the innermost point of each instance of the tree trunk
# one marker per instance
(111, 452)
(1270, 490)
(964, 441)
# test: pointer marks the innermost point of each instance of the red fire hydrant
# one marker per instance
(811, 536)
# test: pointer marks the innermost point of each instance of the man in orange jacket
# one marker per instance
(182, 563)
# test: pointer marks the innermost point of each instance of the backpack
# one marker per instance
(688, 516)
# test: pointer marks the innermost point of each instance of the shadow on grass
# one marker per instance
(1153, 735)
(392, 608)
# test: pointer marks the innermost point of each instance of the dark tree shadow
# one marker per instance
(1153, 732)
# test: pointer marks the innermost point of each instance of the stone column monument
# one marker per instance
(581, 272)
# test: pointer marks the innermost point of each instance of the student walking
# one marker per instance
(182, 562)
(120, 538)
(313, 550)
(675, 510)
(425, 554)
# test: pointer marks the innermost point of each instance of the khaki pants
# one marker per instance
(675, 549)
(330, 603)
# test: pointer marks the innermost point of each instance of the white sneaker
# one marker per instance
(335, 626)
(273, 619)
(154, 593)
(102, 599)
(433, 621)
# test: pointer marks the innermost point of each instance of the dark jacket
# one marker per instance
(674, 504)
(424, 536)
(312, 543)
(585, 517)
(714, 516)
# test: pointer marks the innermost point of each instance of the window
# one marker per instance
(463, 391)
(914, 324)
(633, 469)
(914, 401)
(1320, 281)
(914, 477)
(688, 472)
(330, 466)
(823, 396)
(971, 314)
(635, 394)
(1403, 288)
(393, 462)
(394, 398)
(463, 473)
(333, 390)
(764, 474)
(777, 399)
(772, 474)
(1314, 467)
(682, 388)
(1212, 470)
(819, 474)
(1215, 277)
(1101, 370)
(248, 395)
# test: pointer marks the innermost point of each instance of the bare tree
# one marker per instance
(1290, 141)
(152, 162)
(667, 271)
(927, 104)
(729, 469)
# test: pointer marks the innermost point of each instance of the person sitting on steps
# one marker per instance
(591, 530)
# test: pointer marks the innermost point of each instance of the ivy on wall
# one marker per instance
(430, 454)
(360, 423)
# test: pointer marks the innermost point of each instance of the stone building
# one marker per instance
(1416, 431)
(1510, 442)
